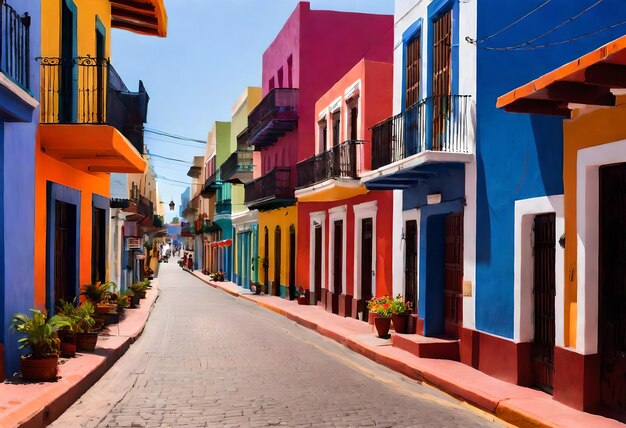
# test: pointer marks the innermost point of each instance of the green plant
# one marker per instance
(147, 283)
(137, 288)
(123, 301)
(41, 333)
(84, 320)
(68, 311)
(100, 292)
(399, 306)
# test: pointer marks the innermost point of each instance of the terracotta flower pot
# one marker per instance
(400, 323)
(86, 342)
(382, 326)
(40, 368)
(142, 295)
(303, 300)
(371, 316)
(68, 349)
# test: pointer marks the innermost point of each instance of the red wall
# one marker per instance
(323, 46)
(384, 222)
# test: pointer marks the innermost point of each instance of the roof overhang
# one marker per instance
(91, 148)
(591, 80)
(331, 190)
(147, 17)
(194, 171)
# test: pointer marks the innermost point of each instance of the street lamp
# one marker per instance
(172, 205)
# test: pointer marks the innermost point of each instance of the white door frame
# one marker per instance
(523, 284)
(361, 212)
(589, 161)
(316, 218)
(409, 215)
(334, 214)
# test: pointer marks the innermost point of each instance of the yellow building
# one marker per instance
(91, 126)
(590, 368)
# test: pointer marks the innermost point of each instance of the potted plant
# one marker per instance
(138, 289)
(123, 302)
(86, 328)
(41, 336)
(67, 334)
(100, 294)
(302, 297)
(383, 321)
(372, 308)
(256, 287)
(400, 311)
(218, 276)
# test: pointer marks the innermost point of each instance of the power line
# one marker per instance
(173, 142)
(530, 42)
(171, 159)
(173, 181)
(517, 21)
(174, 136)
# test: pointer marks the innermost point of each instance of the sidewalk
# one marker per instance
(37, 404)
(517, 405)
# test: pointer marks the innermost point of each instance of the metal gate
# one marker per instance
(612, 292)
(544, 293)
(453, 286)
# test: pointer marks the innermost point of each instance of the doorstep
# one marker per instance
(427, 347)
(38, 404)
(515, 404)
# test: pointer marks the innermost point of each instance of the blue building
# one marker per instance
(20, 29)
(185, 197)
(472, 183)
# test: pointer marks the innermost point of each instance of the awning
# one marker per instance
(221, 244)
(589, 80)
(140, 16)
(91, 148)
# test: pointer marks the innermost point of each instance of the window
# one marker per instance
(290, 71)
(322, 139)
(412, 72)
(353, 119)
(336, 127)
(272, 84)
(280, 78)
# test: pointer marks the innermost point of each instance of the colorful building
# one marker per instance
(19, 94)
(88, 130)
(237, 170)
(589, 279)
(342, 244)
(463, 171)
(311, 52)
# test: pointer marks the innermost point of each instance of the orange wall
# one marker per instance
(587, 128)
(49, 169)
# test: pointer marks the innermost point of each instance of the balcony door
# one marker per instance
(442, 77)
(412, 128)
(100, 76)
(67, 105)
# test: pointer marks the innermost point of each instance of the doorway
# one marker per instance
(98, 245)
(612, 288)
(292, 262)
(410, 263)
(544, 290)
(266, 260)
(453, 275)
(65, 257)
(277, 261)
(367, 240)
(337, 264)
(317, 273)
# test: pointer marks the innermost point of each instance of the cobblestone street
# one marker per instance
(209, 359)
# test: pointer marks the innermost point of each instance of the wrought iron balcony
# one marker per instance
(340, 161)
(437, 123)
(275, 115)
(238, 167)
(145, 206)
(224, 207)
(88, 90)
(272, 190)
(15, 45)
(211, 185)
(158, 221)
(242, 138)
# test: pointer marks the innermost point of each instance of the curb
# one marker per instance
(491, 405)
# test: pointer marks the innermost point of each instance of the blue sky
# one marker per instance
(213, 50)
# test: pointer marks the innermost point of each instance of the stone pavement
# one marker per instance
(515, 404)
(208, 359)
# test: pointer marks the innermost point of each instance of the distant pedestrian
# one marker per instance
(190, 263)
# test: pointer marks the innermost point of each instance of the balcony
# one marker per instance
(14, 45)
(238, 167)
(158, 221)
(88, 92)
(435, 124)
(211, 186)
(339, 162)
(273, 190)
(223, 207)
(275, 115)
(145, 207)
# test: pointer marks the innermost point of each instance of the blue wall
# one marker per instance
(17, 187)
(519, 156)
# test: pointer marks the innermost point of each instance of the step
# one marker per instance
(427, 347)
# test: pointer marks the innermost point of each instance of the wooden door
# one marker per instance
(410, 264)
(266, 260)
(65, 257)
(367, 240)
(292, 262)
(98, 245)
(277, 261)
(66, 83)
(442, 77)
(453, 277)
(544, 290)
(338, 258)
(612, 289)
(318, 263)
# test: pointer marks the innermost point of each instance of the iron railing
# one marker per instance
(437, 123)
(276, 184)
(210, 185)
(242, 138)
(89, 90)
(276, 114)
(223, 207)
(145, 206)
(15, 44)
(341, 161)
(240, 161)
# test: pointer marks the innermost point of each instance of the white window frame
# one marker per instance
(319, 218)
(361, 212)
(334, 214)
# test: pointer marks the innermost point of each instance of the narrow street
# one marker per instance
(208, 359)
